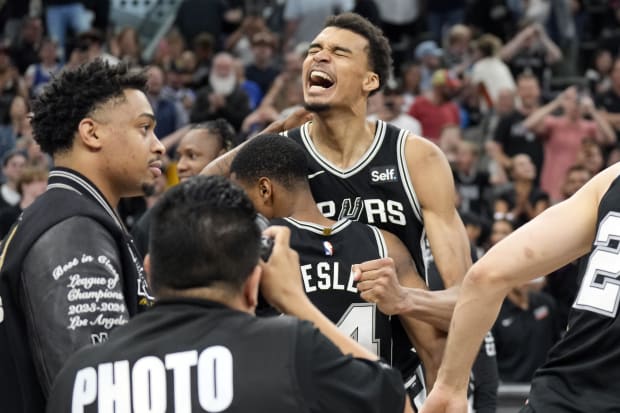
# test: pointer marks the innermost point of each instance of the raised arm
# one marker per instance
(535, 249)
(434, 186)
(535, 119)
(605, 133)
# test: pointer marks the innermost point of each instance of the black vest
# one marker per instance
(69, 194)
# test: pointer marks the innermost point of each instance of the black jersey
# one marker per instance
(189, 355)
(582, 372)
(376, 190)
(326, 256)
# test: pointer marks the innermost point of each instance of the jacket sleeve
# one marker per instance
(71, 293)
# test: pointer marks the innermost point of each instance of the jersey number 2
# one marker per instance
(358, 322)
(600, 288)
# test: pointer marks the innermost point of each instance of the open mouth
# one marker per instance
(319, 80)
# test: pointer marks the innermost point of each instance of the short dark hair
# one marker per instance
(73, 95)
(203, 234)
(273, 156)
(379, 50)
(221, 129)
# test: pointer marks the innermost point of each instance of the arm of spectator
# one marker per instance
(553, 52)
(175, 137)
(612, 118)
(237, 35)
(514, 46)
(496, 152)
(605, 133)
(72, 293)
(535, 121)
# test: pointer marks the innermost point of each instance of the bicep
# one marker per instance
(71, 292)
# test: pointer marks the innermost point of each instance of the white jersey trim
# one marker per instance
(405, 177)
(319, 229)
(359, 165)
(381, 245)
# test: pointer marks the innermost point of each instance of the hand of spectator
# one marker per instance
(587, 104)
(216, 101)
(281, 279)
(378, 283)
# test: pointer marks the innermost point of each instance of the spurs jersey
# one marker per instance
(377, 190)
(326, 256)
(582, 372)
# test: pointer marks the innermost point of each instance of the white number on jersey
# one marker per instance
(600, 288)
(358, 322)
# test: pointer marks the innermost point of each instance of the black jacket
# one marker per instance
(69, 273)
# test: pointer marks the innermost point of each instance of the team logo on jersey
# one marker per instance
(383, 174)
(328, 248)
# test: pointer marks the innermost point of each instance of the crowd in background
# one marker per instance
(523, 97)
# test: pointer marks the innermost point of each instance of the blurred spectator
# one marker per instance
(304, 19)
(12, 15)
(250, 87)
(25, 51)
(178, 90)
(474, 228)
(12, 165)
(531, 50)
(39, 74)
(522, 200)
(91, 44)
(492, 16)
(223, 97)
(598, 75)
(390, 102)
(526, 328)
(500, 229)
(35, 157)
(62, 16)
(511, 137)
(590, 156)
(126, 46)
(31, 183)
(241, 41)
(203, 45)
(400, 21)
(443, 14)
(169, 114)
(609, 101)
(470, 182)
(490, 74)
(504, 107)
(11, 85)
(436, 109)
(411, 79)
(563, 283)
(449, 141)
(457, 56)
(563, 134)
(198, 16)
(263, 70)
(18, 127)
(170, 48)
(428, 55)
(369, 10)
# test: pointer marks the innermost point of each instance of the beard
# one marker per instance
(148, 189)
(316, 107)
(223, 85)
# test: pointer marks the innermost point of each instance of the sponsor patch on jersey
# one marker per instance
(328, 248)
(383, 174)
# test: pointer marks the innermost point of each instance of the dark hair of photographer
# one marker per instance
(203, 234)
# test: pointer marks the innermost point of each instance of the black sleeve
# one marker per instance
(200, 110)
(331, 381)
(486, 377)
(502, 131)
(71, 293)
(140, 233)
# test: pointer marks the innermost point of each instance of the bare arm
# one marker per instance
(172, 139)
(553, 52)
(534, 120)
(535, 249)
(605, 133)
(432, 179)
(612, 118)
(221, 165)
(510, 49)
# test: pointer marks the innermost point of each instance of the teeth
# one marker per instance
(320, 74)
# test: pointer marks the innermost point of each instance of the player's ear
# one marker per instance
(371, 82)
(251, 288)
(87, 133)
(265, 189)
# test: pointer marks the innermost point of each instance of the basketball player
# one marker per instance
(581, 373)
(273, 173)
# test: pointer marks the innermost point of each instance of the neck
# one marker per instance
(89, 170)
(342, 138)
(304, 208)
(26, 201)
(219, 295)
(523, 183)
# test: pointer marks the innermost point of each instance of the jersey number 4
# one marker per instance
(600, 288)
(358, 322)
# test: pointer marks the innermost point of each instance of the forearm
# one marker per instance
(170, 140)
(532, 121)
(606, 134)
(554, 53)
(475, 312)
(433, 307)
